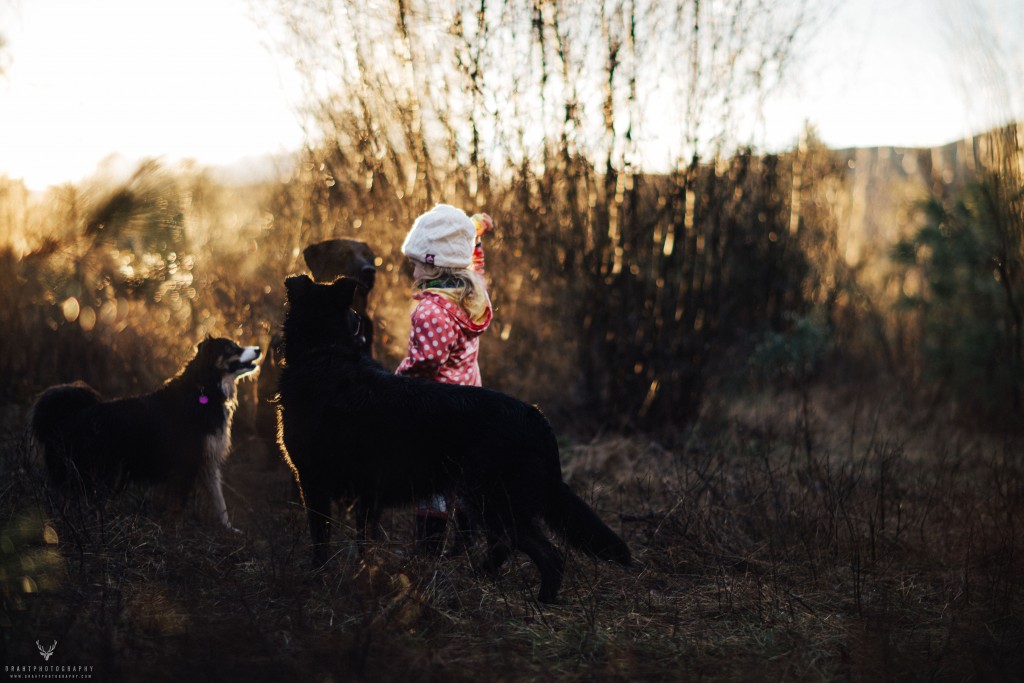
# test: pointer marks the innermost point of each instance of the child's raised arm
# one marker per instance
(484, 224)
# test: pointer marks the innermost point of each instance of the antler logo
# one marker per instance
(46, 652)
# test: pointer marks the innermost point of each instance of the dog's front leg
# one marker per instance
(220, 508)
(367, 520)
(318, 509)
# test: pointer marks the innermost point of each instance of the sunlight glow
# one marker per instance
(189, 79)
(109, 82)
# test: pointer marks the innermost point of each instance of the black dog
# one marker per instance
(350, 428)
(174, 435)
(327, 261)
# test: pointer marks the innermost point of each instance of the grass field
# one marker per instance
(853, 540)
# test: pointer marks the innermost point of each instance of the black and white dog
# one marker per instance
(173, 436)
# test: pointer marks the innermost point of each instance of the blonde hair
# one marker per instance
(467, 286)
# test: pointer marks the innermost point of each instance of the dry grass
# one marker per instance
(873, 549)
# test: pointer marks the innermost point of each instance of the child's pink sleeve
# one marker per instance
(431, 337)
(483, 224)
(478, 257)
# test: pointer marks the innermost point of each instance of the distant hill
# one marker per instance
(885, 184)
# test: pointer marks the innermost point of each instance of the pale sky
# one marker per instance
(903, 73)
(180, 79)
(193, 79)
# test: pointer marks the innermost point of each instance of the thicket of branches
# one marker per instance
(621, 289)
(624, 259)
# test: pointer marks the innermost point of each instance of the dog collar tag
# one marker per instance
(203, 398)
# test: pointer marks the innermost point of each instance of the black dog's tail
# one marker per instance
(47, 423)
(569, 516)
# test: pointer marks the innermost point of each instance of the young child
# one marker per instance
(446, 252)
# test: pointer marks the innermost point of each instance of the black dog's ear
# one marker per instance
(205, 348)
(328, 259)
(297, 285)
(315, 255)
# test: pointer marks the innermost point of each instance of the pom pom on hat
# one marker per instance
(444, 236)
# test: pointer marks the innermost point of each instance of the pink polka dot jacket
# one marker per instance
(443, 341)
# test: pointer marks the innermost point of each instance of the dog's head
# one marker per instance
(321, 315)
(227, 357)
(331, 259)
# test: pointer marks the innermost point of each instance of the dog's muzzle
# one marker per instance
(247, 362)
(367, 276)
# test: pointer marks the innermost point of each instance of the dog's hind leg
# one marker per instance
(498, 552)
(549, 561)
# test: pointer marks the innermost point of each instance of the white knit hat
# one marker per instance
(443, 236)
